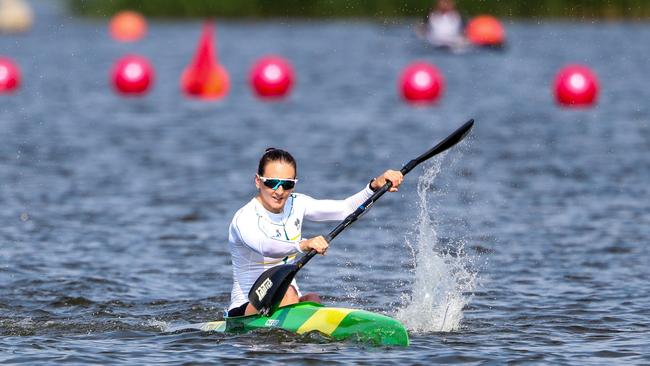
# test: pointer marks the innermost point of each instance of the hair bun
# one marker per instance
(272, 154)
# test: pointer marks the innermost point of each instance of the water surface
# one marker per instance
(115, 211)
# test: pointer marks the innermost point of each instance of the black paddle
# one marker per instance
(270, 287)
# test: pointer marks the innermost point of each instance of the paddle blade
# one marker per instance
(269, 289)
(444, 145)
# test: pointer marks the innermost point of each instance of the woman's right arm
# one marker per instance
(255, 239)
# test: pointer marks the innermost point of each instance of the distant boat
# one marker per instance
(443, 28)
(454, 43)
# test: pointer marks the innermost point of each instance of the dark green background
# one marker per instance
(634, 9)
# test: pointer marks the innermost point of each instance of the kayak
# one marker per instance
(337, 324)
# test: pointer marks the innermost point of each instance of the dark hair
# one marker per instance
(273, 154)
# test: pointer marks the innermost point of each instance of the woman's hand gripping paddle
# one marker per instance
(269, 289)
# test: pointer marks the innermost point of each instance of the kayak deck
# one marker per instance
(335, 323)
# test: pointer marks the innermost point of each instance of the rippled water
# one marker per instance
(533, 234)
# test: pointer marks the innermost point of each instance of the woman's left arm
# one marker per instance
(327, 210)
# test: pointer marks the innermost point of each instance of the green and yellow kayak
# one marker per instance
(335, 323)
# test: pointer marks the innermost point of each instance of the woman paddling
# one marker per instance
(443, 26)
(266, 232)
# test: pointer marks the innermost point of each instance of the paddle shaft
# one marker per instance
(267, 292)
(450, 141)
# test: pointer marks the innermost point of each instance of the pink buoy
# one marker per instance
(9, 76)
(271, 77)
(421, 83)
(132, 75)
(576, 86)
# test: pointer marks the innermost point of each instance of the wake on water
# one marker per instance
(442, 282)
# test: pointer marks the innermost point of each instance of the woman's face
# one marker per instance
(274, 200)
(446, 5)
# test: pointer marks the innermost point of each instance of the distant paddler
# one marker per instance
(267, 231)
(443, 26)
(15, 16)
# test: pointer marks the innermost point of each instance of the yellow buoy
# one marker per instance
(15, 16)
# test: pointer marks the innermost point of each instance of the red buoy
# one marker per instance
(271, 77)
(132, 75)
(576, 86)
(421, 83)
(486, 30)
(128, 26)
(9, 76)
(204, 77)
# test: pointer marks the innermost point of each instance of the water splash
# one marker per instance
(159, 325)
(442, 280)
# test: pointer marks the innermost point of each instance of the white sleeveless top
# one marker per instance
(260, 239)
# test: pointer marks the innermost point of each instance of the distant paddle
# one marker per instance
(269, 289)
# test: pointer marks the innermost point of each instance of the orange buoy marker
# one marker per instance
(128, 26)
(576, 86)
(9, 76)
(421, 83)
(486, 30)
(132, 75)
(271, 77)
(204, 77)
